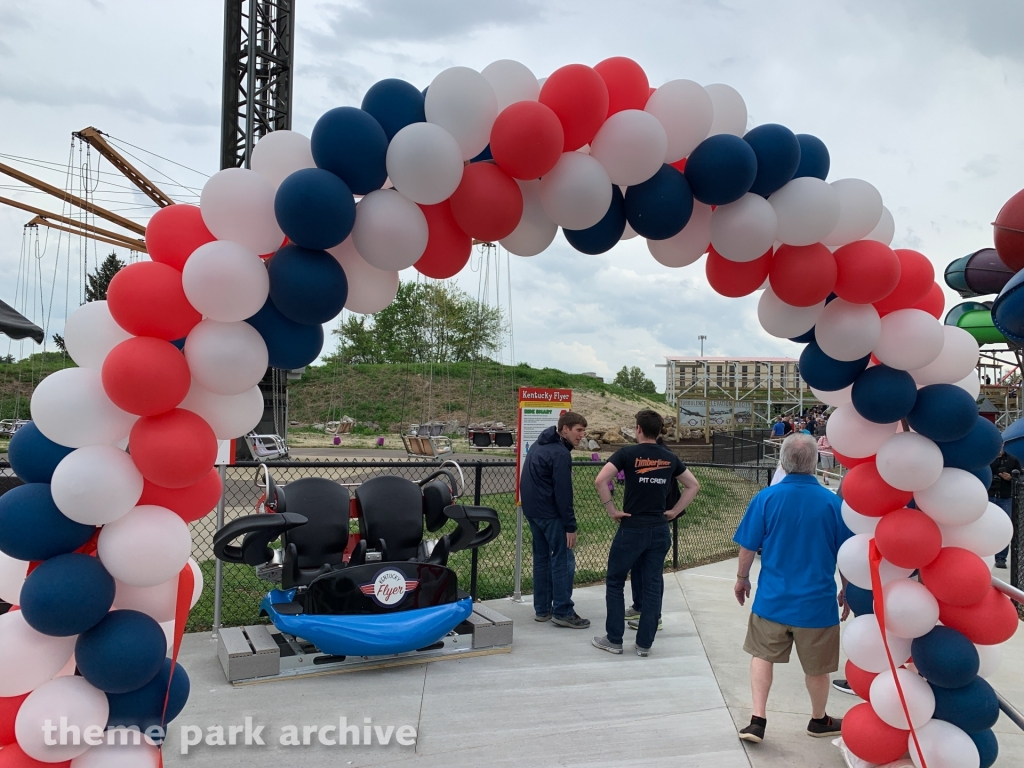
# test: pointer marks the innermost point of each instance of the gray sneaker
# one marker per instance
(572, 622)
(635, 624)
(641, 651)
(606, 645)
(632, 613)
(542, 617)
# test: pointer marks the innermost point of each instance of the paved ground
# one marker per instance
(554, 701)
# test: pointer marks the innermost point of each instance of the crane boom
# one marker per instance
(135, 245)
(94, 138)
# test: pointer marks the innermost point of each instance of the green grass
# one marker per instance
(19, 379)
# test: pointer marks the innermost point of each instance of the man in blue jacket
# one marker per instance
(545, 490)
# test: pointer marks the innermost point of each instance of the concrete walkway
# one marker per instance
(553, 701)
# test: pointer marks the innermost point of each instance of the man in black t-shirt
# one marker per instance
(1000, 492)
(643, 538)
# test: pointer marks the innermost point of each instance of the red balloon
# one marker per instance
(849, 463)
(1009, 232)
(627, 83)
(859, 680)
(803, 275)
(190, 503)
(871, 739)
(147, 299)
(934, 303)
(174, 449)
(917, 275)
(527, 140)
(908, 538)
(174, 232)
(146, 376)
(989, 622)
(958, 577)
(13, 757)
(488, 203)
(9, 706)
(579, 97)
(736, 278)
(679, 165)
(448, 247)
(867, 493)
(866, 271)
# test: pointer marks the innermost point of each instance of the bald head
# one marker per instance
(799, 455)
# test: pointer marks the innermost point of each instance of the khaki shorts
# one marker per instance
(818, 649)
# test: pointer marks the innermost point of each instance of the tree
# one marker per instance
(634, 379)
(97, 282)
(58, 342)
(8, 359)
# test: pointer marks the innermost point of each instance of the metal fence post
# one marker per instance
(517, 592)
(475, 562)
(675, 543)
(218, 568)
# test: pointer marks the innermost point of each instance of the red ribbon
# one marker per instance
(182, 606)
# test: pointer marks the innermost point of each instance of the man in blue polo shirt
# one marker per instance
(798, 525)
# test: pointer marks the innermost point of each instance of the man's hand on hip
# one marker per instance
(741, 590)
(844, 605)
(570, 540)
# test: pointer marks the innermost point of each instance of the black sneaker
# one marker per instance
(844, 686)
(755, 731)
(826, 726)
(1000, 563)
(572, 622)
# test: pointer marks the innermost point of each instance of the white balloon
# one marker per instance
(744, 230)
(862, 644)
(909, 461)
(910, 339)
(686, 112)
(859, 523)
(238, 205)
(846, 331)
(226, 358)
(90, 333)
(807, 209)
(957, 360)
(462, 102)
(12, 576)
(390, 232)
(369, 289)
(884, 230)
(576, 193)
(860, 210)
(71, 699)
(71, 409)
(120, 755)
(853, 435)
(944, 746)
(631, 145)
(885, 699)
(146, 547)
(96, 485)
(225, 281)
(956, 498)
(628, 233)
(229, 416)
(29, 658)
(535, 231)
(280, 154)
(835, 397)
(688, 245)
(986, 536)
(855, 565)
(910, 609)
(425, 163)
(991, 657)
(783, 320)
(730, 111)
(158, 601)
(971, 384)
(511, 81)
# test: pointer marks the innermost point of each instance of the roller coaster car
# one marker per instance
(394, 593)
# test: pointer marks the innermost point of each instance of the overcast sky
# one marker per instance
(923, 98)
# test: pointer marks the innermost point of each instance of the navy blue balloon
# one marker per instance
(946, 658)
(988, 747)
(805, 338)
(290, 345)
(943, 412)
(144, 707)
(979, 449)
(122, 653)
(485, 154)
(1008, 309)
(814, 158)
(884, 395)
(861, 601)
(828, 374)
(606, 233)
(778, 156)
(349, 143)
(394, 104)
(661, 206)
(32, 528)
(314, 208)
(721, 169)
(1013, 436)
(984, 474)
(179, 343)
(972, 708)
(34, 456)
(67, 595)
(307, 286)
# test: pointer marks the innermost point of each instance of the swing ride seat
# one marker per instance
(481, 438)
(395, 593)
(9, 426)
(265, 447)
(427, 445)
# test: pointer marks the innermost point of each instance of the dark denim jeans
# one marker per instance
(644, 548)
(1007, 506)
(554, 568)
(636, 585)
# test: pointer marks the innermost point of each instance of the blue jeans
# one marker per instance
(636, 584)
(554, 568)
(646, 549)
(1007, 506)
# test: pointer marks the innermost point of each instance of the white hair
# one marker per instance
(799, 454)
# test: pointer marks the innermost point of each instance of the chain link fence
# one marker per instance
(1017, 544)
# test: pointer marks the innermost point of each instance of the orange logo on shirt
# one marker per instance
(643, 466)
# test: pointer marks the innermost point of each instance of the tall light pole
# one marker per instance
(702, 337)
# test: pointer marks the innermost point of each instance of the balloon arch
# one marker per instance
(247, 278)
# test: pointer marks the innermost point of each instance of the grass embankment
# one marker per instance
(19, 379)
